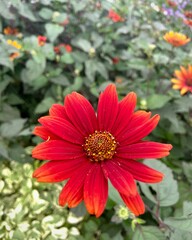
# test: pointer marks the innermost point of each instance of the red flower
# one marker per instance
(188, 22)
(89, 149)
(115, 60)
(41, 40)
(65, 22)
(67, 47)
(114, 16)
(171, 3)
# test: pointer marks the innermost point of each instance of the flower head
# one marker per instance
(183, 80)
(115, 60)
(176, 39)
(67, 47)
(188, 14)
(10, 31)
(14, 55)
(89, 149)
(188, 22)
(114, 16)
(14, 44)
(41, 40)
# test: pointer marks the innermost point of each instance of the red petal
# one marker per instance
(72, 193)
(44, 133)
(57, 150)
(122, 180)
(126, 108)
(134, 203)
(136, 134)
(81, 113)
(95, 190)
(138, 118)
(140, 171)
(144, 150)
(56, 171)
(62, 128)
(107, 108)
(58, 110)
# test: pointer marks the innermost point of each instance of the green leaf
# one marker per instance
(67, 58)
(100, 68)
(187, 168)
(166, 192)
(4, 83)
(5, 11)
(8, 113)
(160, 58)
(4, 150)
(26, 12)
(44, 105)
(180, 235)
(90, 69)
(34, 69)
(4, 57)
(79, 6)
(187, 208)
(78, 82)
(12, 128)
(157, 101)
(183, 104)
(46, 13)
(137, 64)
(53, 31)
(60, 80)
(17, 234)
(180, 223)
(148, 233)
(114, 195)
(84, 44)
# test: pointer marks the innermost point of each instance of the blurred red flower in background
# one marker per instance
(114, 16)
(67, 47)
(41, 40)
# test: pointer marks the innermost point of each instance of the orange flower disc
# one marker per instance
(100, 146)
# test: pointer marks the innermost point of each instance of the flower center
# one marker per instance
(100, 146)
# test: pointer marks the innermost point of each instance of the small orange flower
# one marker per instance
(115, 60)
(188, 22)
(65, 22)
(171, 3)
(176, 39)
(14, 55)
(10, 31)
(114, 16)
(67, 47)
(183, 80)
(41, 40)
(188, 14)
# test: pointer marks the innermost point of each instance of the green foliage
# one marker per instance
(166, 192)
(95, 51)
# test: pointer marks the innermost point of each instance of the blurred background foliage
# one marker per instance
(49, 48)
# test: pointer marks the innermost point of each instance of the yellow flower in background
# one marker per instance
(14, 43)
(183, 80)
(176, 39)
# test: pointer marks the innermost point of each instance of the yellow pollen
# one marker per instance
(100, 146)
